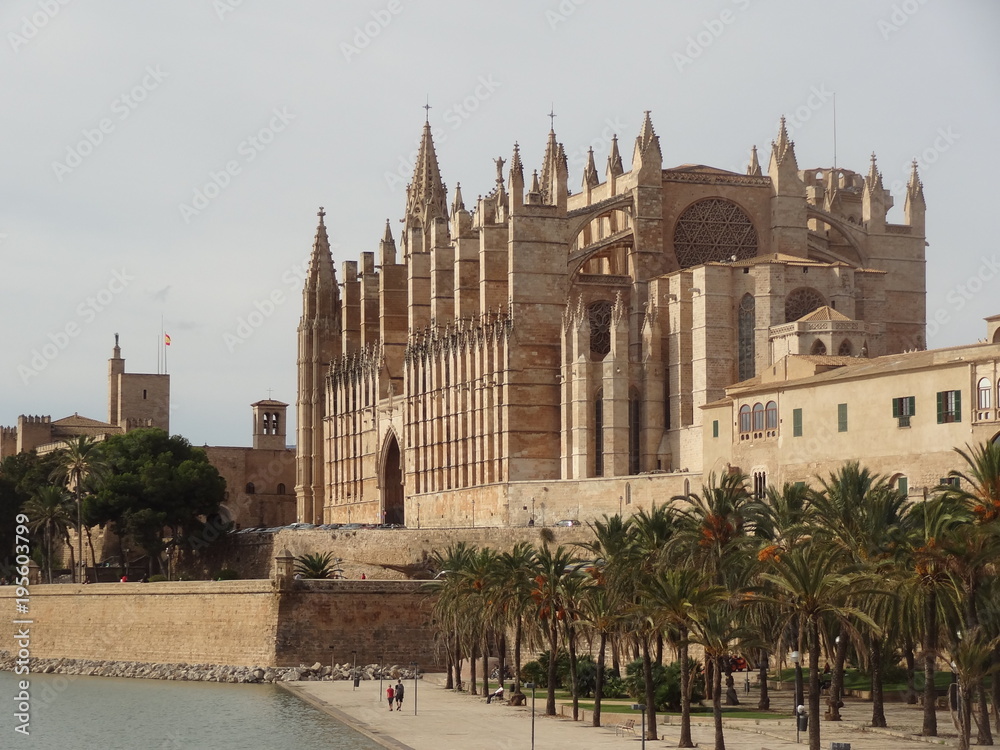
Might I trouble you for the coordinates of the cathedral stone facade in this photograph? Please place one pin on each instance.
(551, 351)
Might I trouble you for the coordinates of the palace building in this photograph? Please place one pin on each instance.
(547, 353)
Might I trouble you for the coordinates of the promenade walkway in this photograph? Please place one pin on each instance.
(447, 720)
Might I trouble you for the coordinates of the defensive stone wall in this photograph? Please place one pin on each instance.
(247, 623)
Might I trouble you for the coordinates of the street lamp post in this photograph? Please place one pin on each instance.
(354, 669)
(798, 707)
(641, 707)
(532, 686)
(414, 665)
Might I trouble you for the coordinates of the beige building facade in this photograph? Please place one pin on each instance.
(901, 415)
(556, 343)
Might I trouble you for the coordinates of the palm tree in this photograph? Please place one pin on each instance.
(809, 582)
(971, 658)
(80, 462)
(679, 597)
(600, 609)
(513, 595)
(450, 603)
(549, 594)
(49, 511)
(315, 565)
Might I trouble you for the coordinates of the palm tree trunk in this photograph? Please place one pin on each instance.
(449, 683)
(458, 658)
(486, 665)
(964, 717)
(835, 699)
(616, 664)
(517, 656)
(878, 695)
(995, 699)
(930, 655)
(502, 652)
(814, 685)
(599, 682)
(473, 653)
(764, 703)
(685, 738)
(720, 739)
(647, 676)
(659, 649)
(983, 736)
(732, 699)
(571, 643)
(550, 698)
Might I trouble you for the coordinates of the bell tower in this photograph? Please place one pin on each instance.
(269, 425)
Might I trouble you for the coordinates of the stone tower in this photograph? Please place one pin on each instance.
(269, 425)
(319, 342)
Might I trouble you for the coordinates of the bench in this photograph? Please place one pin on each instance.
(625, 727)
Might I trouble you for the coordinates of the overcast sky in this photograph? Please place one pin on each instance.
(166, 160)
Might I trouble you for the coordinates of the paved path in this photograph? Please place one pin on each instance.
(447, 720)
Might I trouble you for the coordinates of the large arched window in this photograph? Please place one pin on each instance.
(845, 350)
(747, 323)
(634, 430)
(599, 316)
(713, 229)
(802, 301)
(745, 419)
(599, 434)
(771, 415)
(758, 417)
(985, 393)
(818, 347)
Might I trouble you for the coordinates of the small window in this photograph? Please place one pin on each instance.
(841, 417)
(949, 406)
(758, 417)
(250, 488)
(281, 488)
(759, 484)
(903, 408)
(796, 422)
(903, 486)
(715, 428)
(143, 394)
(949, 481)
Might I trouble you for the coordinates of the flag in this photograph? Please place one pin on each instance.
(166, 339)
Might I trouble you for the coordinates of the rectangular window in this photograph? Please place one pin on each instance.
(841, 417)
(715, 428)
(949, 406)
(903, 486)
(796, 423)
(903, 408)
(950, 481)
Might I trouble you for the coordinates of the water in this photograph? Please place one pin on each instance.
(77, 713)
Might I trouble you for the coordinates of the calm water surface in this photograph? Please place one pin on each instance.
(107, 713)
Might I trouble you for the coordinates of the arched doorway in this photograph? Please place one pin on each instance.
(392, 483)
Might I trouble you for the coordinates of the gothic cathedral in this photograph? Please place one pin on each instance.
(551, 351)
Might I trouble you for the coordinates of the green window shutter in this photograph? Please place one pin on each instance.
(841, 417)
(800, 485)
(958, 406)
(913, 405)
(715, 428)
(903, 486)
(895, 408)
(796, 423)
(940, 407)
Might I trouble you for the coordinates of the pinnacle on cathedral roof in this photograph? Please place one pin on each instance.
(615, 158)
(457, 204)
(874, 178)
(784, 145)
(590, 176)
(915, 188)
(550, 165)
(753, 168)
(534, 183)
(387, 247)
(647, 135)
(321, 246)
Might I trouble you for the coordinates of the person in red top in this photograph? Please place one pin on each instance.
(389, 695)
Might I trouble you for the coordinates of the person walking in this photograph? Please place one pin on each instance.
(389, 694)
(399, 694)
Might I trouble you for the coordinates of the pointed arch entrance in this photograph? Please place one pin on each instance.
(393, 507)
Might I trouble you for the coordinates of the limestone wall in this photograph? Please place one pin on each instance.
(227, 622)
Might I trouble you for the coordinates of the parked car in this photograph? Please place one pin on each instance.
(568, 522)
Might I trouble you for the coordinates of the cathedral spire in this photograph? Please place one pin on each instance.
(321, 270)
(874, 178)
(457, 203)
(753, 168)
(515, 179)
(647, 135)
(549, 168)
(915, 188)
(784, 146)
(426, 198)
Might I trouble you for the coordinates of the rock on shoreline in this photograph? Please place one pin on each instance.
(208, 672)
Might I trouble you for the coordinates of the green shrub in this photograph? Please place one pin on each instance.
(157, 578)
(614, 687)
(666, 684)
(227, 574)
